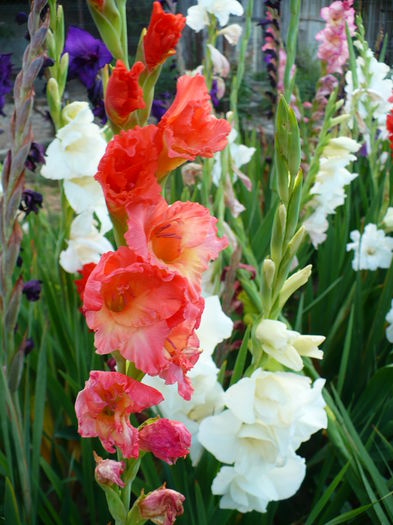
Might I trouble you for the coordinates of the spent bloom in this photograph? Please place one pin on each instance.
(162, 35)
(162, 506)
(103, 408)
(108, 471)
(166, 439)
(287, 346)
(372, 249)
(32, 290)
(333, 46)
(198, 15)
(389, 320)
(87, 55)
(5, 78)
(31, 201)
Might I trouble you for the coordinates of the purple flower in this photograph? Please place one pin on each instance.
(160, 105)
(32, 290)
(87, 55)
(28, 346)
(5, 78)
(31, 201)
(213, 93)
(96, 97)
(21, 18)
(36, 156)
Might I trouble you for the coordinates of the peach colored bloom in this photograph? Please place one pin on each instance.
(181, 237)
(132, 307)
(162, 506)
(167, 440)
(123, 93)
(103, 408)
(126, 172)
(188, 127)
(162, 35)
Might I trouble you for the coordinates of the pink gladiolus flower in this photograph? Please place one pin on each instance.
(103, 408)
(181, 237)
(167, 440)
(132, 306)
(333, 47)
(162, 506)
(108, 471)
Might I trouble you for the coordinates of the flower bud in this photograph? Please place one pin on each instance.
(294, 282)
(220, 62)
(108, 471)
(387, 221)
(162, 506)
(167, 440)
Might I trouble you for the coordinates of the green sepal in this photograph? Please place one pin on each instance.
(278, 233)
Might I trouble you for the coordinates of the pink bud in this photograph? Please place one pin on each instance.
(162, 506)
(167, 440)
(108, 471)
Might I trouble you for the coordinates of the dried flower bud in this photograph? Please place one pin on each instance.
(167, 440)
(108, 471)
(162, 506)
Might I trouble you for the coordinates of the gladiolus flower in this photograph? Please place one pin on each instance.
(104, 405)
(188, 127)
(85, 272)
(132, 307)
(108, 471)
(167, 440)
(126, 172)
(181, 237)
(162, 506)
(123, 93)
(162, 36)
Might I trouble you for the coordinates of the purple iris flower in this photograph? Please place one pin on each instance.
(31, 201)
(160, 105)
(96, 97)
(5, 78)
(28, 346)
(213, 93)
(87, 55)
(36, 156)
(32, 290)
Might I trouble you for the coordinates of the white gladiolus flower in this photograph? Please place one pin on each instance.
(373, 249)
(287, 346)
(262, 483)
(207, 398)
(387, 221)
(198, 15)
(374, 89)
(328, 188)
(220, 62)
(77, 148)
(86, 244)
(389, 320)
(232, 33)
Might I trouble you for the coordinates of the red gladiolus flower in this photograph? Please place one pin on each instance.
(80, 284)
(162, 506)
(188, 127)
(123, 93)
(126, 172)
(389, 127)
(181, 237)
(167, 440)
(103, 408)
(162, 36)
(132, 307)
(97, 4)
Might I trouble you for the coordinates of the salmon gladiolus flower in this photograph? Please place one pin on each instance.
(103, 408)
(167, 440)
(126, 172)
(132, 307)
(181, 237)
(162, 36)
(188, 127)
(84, 272)
(123, 93)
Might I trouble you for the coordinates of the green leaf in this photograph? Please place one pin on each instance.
(11, 512)
(240, 359)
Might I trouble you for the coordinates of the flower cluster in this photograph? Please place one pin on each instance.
(333, 47)
(328, 188)
(267, 418)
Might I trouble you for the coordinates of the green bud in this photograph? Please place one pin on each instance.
(53, 97)
(51, 44)
(293, 283)
(63, 70)
(278, 233)
(294, 205)
(294, 151)
(59, 35)
(340, 119)
(268, 272)
(281, 174)
(282, 127)
(289, 254)
(140, 54)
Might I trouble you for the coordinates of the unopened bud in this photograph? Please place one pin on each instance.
(108, 471)
(293, 283)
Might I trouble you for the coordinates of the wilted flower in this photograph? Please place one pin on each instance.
(162, 35)
(96, 97)
(35, 156)
(86, 244)
(166, 439)
(190, 172)
(87, 55)
(32, 290)
(103, 408)
(31, 201)
(373, 249)
(5, 78)
(108, 471)
(162, 506)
